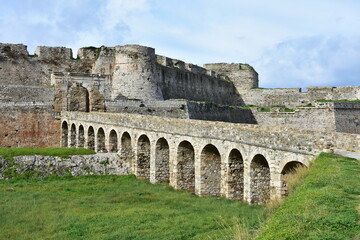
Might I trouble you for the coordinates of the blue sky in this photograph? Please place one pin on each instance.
(290, 43)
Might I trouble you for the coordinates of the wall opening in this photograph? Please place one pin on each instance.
(113, 141)
(260, 180)
(162, 160)
(143, 157)
(91, 138)
(81, 138)
(210, 171)
(186, 166)
(126, 149)
(79, 99)
(290, 174)
(64, 134)
(73, 136)
(235, 176)
(101, 141)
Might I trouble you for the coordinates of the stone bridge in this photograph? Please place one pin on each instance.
(237, 161)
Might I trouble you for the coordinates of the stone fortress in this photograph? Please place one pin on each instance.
(209, 129)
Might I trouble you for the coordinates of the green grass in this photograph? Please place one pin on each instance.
(60, 152)
(324, 206)
(116, 207)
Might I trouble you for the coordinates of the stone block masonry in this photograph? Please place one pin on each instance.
(42, 166)
(28, 125)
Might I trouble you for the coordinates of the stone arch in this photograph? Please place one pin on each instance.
(126, 149)
(81, 137)
(143, 157)
(287, 173)
(186, 166)
(101, 140)
(73, 136)
(162, 161)
(210, 171)
(259, 180)
(78, 99)
(235, 175)
(91, 138)
(64, 134)
(113, 141)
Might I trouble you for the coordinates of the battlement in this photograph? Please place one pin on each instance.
(13, 50)
(53, 52)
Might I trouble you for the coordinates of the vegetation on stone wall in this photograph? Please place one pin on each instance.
(60, 152)
(324, 206)
(10, 169)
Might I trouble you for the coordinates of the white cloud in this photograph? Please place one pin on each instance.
(202, 31)
(311, 61)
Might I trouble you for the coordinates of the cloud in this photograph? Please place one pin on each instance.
(311, 61)
(267, 34)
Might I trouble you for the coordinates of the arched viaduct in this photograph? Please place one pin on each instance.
(238, 161)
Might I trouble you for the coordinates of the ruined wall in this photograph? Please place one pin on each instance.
(292, 97)
(243, 76)
(41, 166)
(28, 125)
(180, 80)
(79, 89)
(325, 116)
(16, 93)
(17, 67)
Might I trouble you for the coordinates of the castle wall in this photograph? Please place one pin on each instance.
(19, 93)
(325, 116)
(17, 67)
(292, 97)
(183, 109)
(186, 81)
(79, 89)
(134, 73)
(28, 124)
(243, 76)
(347, 117)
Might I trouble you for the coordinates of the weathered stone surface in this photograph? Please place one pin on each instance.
(42, 166)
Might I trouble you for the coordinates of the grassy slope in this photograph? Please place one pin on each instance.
(61, 152)
(115, 207)
(324, 206)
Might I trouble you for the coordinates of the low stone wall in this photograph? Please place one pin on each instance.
(41, 166)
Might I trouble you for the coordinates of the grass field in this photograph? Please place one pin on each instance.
(115, 207)
(324, 206)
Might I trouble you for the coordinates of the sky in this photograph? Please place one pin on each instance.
(289, 43)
